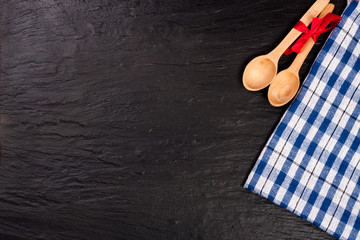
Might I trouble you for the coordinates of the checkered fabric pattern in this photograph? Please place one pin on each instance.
(311, 163)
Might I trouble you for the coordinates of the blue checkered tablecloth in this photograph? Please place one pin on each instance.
(311, 163)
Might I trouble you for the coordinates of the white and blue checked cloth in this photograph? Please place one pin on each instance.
(311, 163)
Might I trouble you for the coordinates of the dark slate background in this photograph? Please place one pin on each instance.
(128, 119)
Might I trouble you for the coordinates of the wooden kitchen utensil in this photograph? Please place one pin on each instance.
(261, 71)
(286, 84)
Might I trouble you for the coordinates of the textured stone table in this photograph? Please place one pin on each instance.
(128, 120)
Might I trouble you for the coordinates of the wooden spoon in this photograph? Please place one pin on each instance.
(261, 70)
(286, 84)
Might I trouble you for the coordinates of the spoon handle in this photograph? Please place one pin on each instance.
(313, 11)
(300, 58)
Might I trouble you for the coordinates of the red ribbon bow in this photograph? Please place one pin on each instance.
(318, 26)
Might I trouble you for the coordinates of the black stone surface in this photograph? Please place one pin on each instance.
(128, 119)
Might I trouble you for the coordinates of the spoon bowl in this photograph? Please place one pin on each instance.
(283, 88)
(259, 73)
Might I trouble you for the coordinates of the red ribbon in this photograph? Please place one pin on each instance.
(318, 26)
